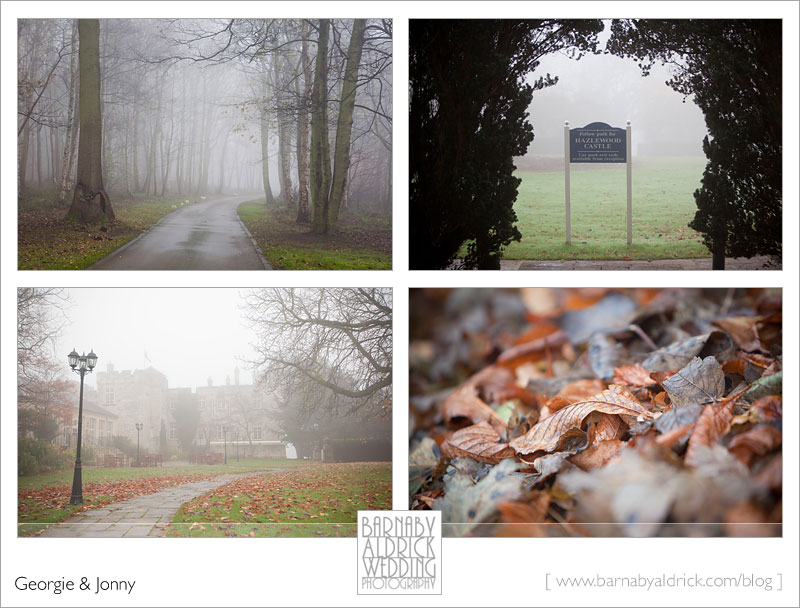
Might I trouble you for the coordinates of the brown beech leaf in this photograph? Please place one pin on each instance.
(759, 440)
(676, 436)
(465, 403)
(633, 375)
(548, 433)
(517, 512)
(523, 352)
(712, 424)
(744, 331)
(768, 408)
(597, 455)
(609, 426)
(480, 441)
(702, 381)
(574, 392)
(756, 359)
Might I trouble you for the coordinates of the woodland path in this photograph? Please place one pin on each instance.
(207, 235)
(142, 516)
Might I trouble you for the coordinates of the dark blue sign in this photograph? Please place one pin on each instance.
(597, 143)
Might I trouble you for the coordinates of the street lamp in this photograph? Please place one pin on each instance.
(237, 446)
(225, 442)
(81, 365)
(139, 427)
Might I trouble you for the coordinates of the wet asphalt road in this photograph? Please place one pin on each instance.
(203, 236)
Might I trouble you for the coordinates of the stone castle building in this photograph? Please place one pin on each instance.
(232, 416)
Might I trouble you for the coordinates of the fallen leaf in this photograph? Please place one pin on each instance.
(702, 381)
(633, 375)
(608, 426)
(759, 440)
(466, 504)
(768, 408)
(422, 462)
(614, 312)
(712, 424)
(574, 392)
(465, 403)
(764, 386)
(480, 441)
(744, 331)
(597, 455)
(605, 354)
(550, 432)
(680, 353)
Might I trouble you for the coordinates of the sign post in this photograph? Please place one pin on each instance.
(598, 142)
(566, 178)
(630, 180)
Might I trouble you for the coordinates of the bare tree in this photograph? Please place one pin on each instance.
(337, 339)
(40, 319)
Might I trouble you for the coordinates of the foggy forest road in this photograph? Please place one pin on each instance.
(203, 236)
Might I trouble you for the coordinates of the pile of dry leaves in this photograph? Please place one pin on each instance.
(639, 412)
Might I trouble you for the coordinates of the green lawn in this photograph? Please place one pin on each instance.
(322, 500)
(44, 498)
(47, 241)
(361, 241)
(663, 205)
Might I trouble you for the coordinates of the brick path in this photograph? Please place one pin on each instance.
(137, 517)
(756, 263)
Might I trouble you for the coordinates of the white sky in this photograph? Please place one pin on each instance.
(605, 88)
(188, 334)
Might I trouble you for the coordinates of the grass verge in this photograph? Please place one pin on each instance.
(48, 241)
(321, 500)
(663, 206)
(44, 499)
(360, 241)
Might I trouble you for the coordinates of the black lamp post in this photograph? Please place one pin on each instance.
(139, 427)
(225, 442)
(237, 447)
(81, 365)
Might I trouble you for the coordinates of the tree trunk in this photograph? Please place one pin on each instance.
(127, 175)
(136, 143)
(284, 129)
(344, 126)
(320, 160)
(718, 259)
(66, 164)
(264, 107)
(303, 215)
(39, 157)
(90, 201)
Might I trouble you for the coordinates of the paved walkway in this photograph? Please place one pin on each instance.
(138, 517)
(756, 263)
(202, 236)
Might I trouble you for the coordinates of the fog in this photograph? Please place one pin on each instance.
(605, 88)
(187, 334)
(200, 107)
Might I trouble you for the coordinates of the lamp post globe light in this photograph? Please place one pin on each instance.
(81, 365)
(139, 427)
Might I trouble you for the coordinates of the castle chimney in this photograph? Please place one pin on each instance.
(210, 383)
(236, 375)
